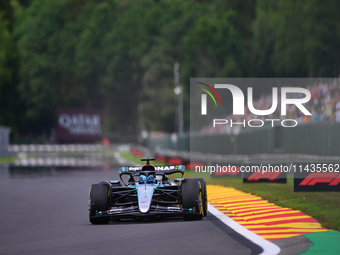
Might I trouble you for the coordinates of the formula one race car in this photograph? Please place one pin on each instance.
(147, 192)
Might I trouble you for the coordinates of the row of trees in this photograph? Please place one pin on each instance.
(118, 55)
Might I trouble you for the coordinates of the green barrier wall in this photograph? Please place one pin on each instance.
(315, 138)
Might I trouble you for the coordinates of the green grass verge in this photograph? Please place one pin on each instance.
(6, 160)
(323, 206)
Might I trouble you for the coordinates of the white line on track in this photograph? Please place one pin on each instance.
(268, 247)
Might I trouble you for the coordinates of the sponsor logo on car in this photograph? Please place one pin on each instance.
(157, 168)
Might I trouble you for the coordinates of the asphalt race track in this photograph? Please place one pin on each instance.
(44, 211)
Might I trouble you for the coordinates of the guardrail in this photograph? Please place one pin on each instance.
(58, 162)
(55, 147)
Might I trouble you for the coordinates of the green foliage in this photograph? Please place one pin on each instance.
(264, 38)
(9, 102)
(38, 52)
(297, 38)
(118, 55)
(158, 63)
(214, 48)
(6, 45)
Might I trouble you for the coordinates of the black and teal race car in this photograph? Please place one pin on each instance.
(146, 192)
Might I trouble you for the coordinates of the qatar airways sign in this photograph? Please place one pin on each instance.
(79, 125)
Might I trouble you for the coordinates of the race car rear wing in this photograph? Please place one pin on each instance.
(158, 169)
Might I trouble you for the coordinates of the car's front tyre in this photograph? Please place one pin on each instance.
(204, 196)
(192, 198)
(99, 201)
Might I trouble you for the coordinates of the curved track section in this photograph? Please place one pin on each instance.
(45, 212)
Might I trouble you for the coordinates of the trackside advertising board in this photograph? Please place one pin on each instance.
(317, 177)
(79, 125)
(274, 174)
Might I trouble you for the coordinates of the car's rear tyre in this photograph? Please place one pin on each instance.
(192, 198)
(99, 201)
(204, 196)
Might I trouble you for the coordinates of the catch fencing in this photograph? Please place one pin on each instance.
(313, 139)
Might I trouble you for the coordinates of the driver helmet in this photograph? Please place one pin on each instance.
(142, 179)
(151, 179)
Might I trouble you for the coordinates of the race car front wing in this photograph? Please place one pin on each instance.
(154, 210)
